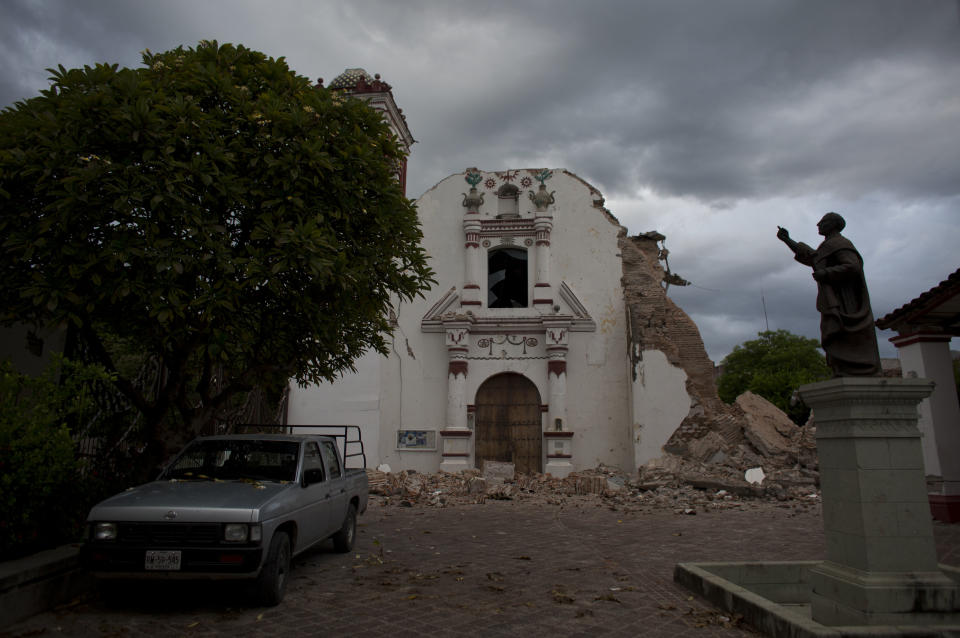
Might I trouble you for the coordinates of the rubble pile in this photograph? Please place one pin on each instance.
(764, 437)
(672, 483)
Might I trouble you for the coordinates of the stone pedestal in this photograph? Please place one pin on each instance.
(881, 566)
(559, 447)
(455, 450)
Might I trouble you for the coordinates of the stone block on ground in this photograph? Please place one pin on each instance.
(476, 485)
(498, 471)
(765, 425)
(707, 448)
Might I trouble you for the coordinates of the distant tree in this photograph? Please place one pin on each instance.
(773, 366)
(212, 210)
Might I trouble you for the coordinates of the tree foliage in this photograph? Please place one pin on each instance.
(211, 209)
(773, 366)
(41, 486)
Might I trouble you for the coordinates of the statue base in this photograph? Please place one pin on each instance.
(881, 566)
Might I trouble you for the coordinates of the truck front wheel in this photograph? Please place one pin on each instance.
(343, 539)
(271, 584)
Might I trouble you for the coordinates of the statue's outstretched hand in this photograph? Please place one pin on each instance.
(782, 234)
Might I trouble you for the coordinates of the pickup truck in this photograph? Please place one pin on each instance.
(231, 506)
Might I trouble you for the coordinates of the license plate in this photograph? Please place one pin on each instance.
(162, 561)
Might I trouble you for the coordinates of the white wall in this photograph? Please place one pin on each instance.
(660, 403)
(353, 400)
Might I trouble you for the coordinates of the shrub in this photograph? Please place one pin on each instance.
(42, 492)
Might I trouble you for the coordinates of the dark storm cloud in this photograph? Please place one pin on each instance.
(738, 99)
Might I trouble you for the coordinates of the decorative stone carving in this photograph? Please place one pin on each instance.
(473, 200)
(557, 336)
(542, 199)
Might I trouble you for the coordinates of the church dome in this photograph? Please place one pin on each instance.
(349, 79)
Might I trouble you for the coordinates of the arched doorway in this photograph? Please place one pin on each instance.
(508, 422)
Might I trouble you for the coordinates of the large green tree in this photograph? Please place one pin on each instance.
(213, 210)
(774, 365)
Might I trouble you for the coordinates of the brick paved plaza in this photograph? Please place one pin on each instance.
(504, 568)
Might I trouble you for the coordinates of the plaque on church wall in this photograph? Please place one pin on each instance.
(416, 439)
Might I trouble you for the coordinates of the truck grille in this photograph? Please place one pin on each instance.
(169, 534)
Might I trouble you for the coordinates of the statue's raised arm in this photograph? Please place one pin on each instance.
(847, 332)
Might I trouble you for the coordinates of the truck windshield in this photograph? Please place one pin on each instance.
(235, 459)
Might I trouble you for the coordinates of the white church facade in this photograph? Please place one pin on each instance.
(522, 350)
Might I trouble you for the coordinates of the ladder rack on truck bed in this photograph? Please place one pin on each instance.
(350, 447)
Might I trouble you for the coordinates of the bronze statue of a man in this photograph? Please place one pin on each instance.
(847, 332)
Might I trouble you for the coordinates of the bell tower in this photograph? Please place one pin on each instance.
(378, 95)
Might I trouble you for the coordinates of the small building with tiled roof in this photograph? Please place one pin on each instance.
(924, 329)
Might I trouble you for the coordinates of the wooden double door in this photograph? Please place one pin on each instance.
(508, 423)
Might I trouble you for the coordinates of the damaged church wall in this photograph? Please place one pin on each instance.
(662, 336)
(712, 443)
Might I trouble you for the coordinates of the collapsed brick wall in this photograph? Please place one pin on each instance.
(657, 323)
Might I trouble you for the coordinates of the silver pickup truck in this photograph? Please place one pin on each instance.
(233, 506)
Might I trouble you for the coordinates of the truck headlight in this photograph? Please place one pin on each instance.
(235, 532)
(105, 531)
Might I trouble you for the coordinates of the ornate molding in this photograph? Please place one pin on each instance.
(537, 319)
(514, 340)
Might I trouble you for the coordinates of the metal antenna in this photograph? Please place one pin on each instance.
(764, 302)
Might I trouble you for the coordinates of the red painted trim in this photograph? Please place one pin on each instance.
(471, 408)
(461, 455)
(457, 367)
(470, 303)
(919, 337)
(543, 242)
(558, 435)
(471, 244)
(457, 349)
(471, 287)
(945, 507)
(544, 408)
(559, 456)
(455, 433)
(556, 367)
(547, 301)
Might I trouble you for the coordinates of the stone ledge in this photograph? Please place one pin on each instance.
(774, 597)
(36, 583)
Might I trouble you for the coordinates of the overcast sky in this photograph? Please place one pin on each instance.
(712, 121)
